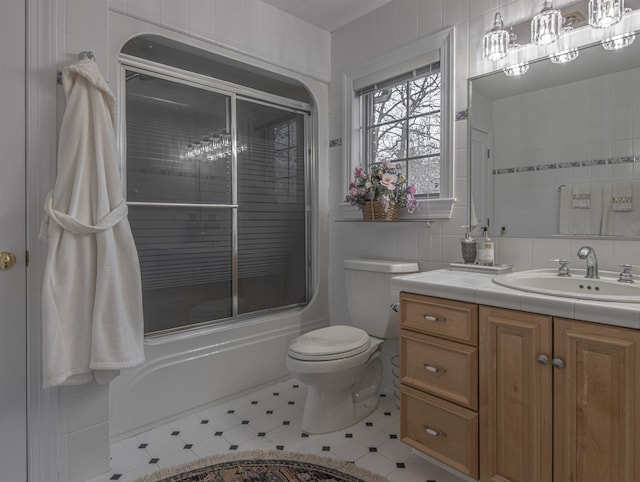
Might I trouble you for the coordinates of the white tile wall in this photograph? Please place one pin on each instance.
(247, 26)
(436, 246)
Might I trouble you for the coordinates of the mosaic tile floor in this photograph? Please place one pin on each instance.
(269, 419)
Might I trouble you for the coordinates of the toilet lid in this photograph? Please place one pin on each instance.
(329, 343)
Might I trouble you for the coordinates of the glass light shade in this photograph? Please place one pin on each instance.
(495, 43)
(564, 57)
(546, 25)
(516, 69)
(605, 13)
(619, 41)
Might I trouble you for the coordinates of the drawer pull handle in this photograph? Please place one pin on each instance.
(437, 319)
(432, 432)
(432, 369)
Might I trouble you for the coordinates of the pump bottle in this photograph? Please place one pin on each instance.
(486, 252)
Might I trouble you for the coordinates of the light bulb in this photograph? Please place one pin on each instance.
(496, 41)
(605, 13)
(546, 25)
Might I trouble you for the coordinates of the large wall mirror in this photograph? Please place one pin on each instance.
(557, 151)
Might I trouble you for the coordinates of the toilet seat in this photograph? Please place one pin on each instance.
(330, 343)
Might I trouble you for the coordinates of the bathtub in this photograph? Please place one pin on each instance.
(189, 371)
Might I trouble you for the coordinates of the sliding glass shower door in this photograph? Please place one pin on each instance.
(216, 194)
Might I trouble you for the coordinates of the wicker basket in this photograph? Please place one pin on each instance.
(374, 211)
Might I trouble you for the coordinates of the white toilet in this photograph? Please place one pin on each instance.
(341, 364)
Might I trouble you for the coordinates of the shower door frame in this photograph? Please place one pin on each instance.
(235, 92)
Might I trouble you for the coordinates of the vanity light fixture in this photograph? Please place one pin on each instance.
(564, 57)
(546, 25)
(515, 64)
(619, 41)
(516, 69)
(565, 53)
(605, 13)
(495, 44)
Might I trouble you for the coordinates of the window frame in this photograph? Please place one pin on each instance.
(395, 63)
(235, 92)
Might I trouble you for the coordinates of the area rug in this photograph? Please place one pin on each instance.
(265, 466)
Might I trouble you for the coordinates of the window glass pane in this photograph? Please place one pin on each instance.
(425, 175)
(402, 123)
(178, 146)
(390, 104)
(271, 213)
(388, 142)
(424, 97)
(424, 136)
(185, 261)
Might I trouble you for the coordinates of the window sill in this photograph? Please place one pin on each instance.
(428, 210)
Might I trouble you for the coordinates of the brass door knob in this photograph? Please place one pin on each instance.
(7, 260)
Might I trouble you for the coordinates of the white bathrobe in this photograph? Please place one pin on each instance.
(91, 295)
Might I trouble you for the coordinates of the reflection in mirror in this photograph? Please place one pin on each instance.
(557, 151)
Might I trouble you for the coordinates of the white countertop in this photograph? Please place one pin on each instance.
(479, 288)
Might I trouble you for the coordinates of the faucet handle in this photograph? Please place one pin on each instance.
(626, 276)
(563, 269)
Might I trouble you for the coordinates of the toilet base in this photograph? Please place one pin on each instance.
(328, 411)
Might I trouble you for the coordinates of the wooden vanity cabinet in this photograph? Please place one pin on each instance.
(515, 396)
(559, 399)
(439, 379)
(596, 402)
(584, 374)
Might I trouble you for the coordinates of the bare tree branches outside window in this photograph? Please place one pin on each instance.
(402, 124)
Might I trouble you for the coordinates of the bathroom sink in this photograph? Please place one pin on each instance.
(547, 282)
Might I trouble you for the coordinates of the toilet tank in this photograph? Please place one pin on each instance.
(369, 294)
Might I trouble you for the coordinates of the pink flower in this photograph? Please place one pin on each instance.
(412, 204)
(411, 190)
(358, 171)
(389, 180)
(352, 185)
(385, 202)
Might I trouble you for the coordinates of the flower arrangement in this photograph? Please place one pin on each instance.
(382, 182)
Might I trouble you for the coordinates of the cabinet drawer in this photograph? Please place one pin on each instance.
(454, 320)
(443, 368)
(443, 430)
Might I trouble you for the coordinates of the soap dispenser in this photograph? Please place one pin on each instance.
(469, 247)
(486, 253)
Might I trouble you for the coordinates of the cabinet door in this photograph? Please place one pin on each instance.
(515, 396)
(597, 409)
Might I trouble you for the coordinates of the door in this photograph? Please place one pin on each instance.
(481, 173)
(13, 351)
(515, 396)
(596, 411)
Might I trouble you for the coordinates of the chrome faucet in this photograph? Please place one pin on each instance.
(588, 253)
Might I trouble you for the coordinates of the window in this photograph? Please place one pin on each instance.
(399, 108)
(216, 188)
(401, 124)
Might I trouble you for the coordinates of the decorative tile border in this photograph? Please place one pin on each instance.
(335, 142)
(462, 114)
(564, 165)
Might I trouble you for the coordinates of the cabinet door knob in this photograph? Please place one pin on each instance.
(433, 432)
(543, 359)
(437, 319)
(557, 363)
